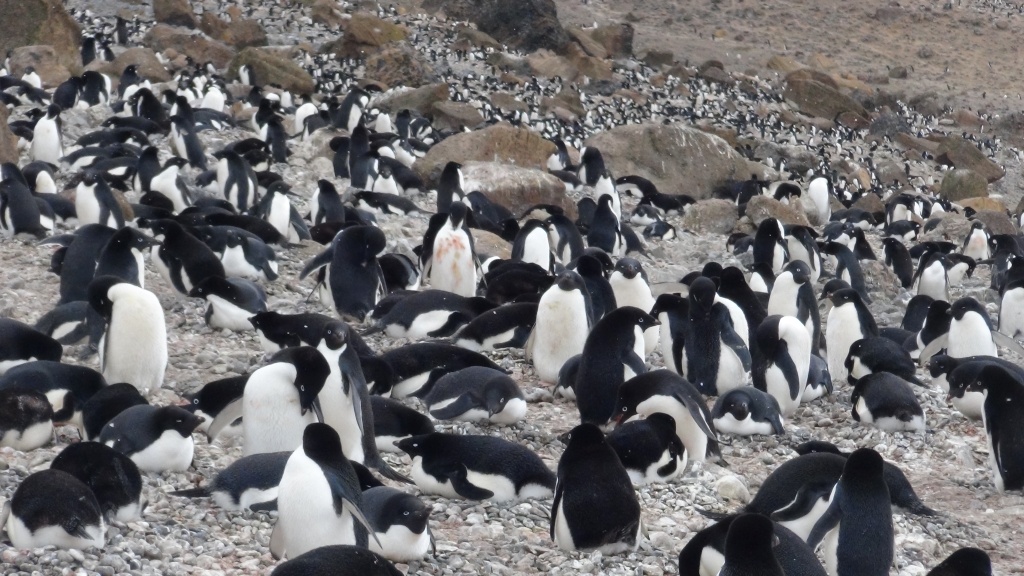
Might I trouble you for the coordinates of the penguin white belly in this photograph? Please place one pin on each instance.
(514, 411)
(269, 346)
(168, 452)
(731, 373)
(970, 336)
(488, 344)
(977, 246)
(757, 284)
(161, 267)
(563, 536)
(306, 509)
(22, 537)
(972, 405)
(830, 550)
(235, 264)
(803, 525)
(227, 315)
(129, 512)
(35, 436)
(421, 326)
(652, 475)
(1011, 313)
(135, 343)
(254, 496)
(739, 321)
(428, 483)
(339, 413)
(728, 424)
(46, 145)
(399, 544)
(711, 561)
(536, 249)
(271, 416)
(933, 283)
(503, 488)
(280, 217)
(559, 334)
(409, 386)
(842, 329)
(689, 433)
(777, 387)
(453, 268)
(87, 209)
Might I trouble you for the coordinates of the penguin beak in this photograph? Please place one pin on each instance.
(564, 437)
(315, 406)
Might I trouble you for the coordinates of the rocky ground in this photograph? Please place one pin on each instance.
(947, 464)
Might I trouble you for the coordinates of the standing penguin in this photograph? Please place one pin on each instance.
(53, 508)
(848, 268)
(277, 209)
(1002, 413)
(595, 505)
(630, 286)
(612, 354)
(748, 548)
(318, 499)
(133, 348)
(48, 138)
(932, 277)
(95, 202)
(353, 277)
(976, 244)
(532, 245)
(848, 321)
(898, 258)
(770, 245)
(124, 256)
(792, 294)
(452, 264)
(280, 399)
(782, 361)
(605, 232)
(820, 191)
(564, 318)
(182, 259)
(156, 439)
(717, 359)
(858, 521)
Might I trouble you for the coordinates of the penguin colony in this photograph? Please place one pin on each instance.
(186, 216)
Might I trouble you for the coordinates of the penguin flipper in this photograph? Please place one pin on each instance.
(297, 223)
(277, 549)
(528, 348)
(806, 497)
(554, 511)
(319, 261)
(466, 488)
(356, 513)
(268, 506)
(1005, 341)
(690, 397)
(455, 321)
(201, 492)
(934, 346)
(457, 408)
(678, 346)
(225, 418)
(829, 520)
(777, 425)
(634, 362)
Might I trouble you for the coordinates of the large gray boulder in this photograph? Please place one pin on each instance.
(524, 24)
(678, 159)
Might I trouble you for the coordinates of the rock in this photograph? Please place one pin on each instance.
(899, 72)
(925, 52)
(547, 64)
(400, 65)
(761, 208)
(967, 118)
(817, 99)
(43, 59)
(871, 203)
(148, 65)
(590, 46)
(420, 99)
(192, 44)
(450, 115)
(821, 62)
(491, 244)
(783, 64)
(365, 33)
(8, 141)
(712, 216)
(960, 153)
(996, 221)
(617, 39)
(508, 102)
(326, 12)
(41, 22)
(515, 187)
(469, 36)
(812, 74)
(498, 143)
(984, 203)
(732, 488)
(962, 183)
(658, 58)
(888, 124)
(527, 25)
(715, 74)
(588, 66)
(952, 228)
(174, 13)
(678, 159)
(914, 143)
(240, 33)
(272, 68)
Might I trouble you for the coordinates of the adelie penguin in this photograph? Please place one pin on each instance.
(231, 302)
(649, 449)
(716, 357)
(113, 477)
(770, 245)
(476, 468)
(353, 277)
(156, 439)
(394, 421)
(182, 259)
(792, 294)
(53, 508)
(595, 505)
(476, 394)
(105, 404)
(325, 560)
(964, 562)
(857, 526)
(20, 343)
(277, 209)
(319, 498)
(877, 354)
(564, 318)
(848, 321)
(451, 265)
(26, 419)
(745, 411)
(887, 402)
(401, 523)
(1002, 413)
(95, 202)
(428, 314)
(705, 552)
(414, 368)
(782, 360)
(133, 348)
(249, 483)
(280, 399)
(507, 326)
(749, 548)
(631, 288)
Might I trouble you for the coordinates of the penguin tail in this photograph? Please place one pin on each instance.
(201, 492)
(375, 329)
(913, 379)
(712, 515)
(389, 472)
(919, 508)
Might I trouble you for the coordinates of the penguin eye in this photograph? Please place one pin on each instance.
(180, 420)
(302, 388)
(502, 400)
(624, 408)
(406, 513)
(196, 401)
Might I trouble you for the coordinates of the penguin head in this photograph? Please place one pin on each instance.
(311, 371)
(335, 335)
(702, 295)
(321, 443)
(635, 316)
(457, 213)
(750, 540)
(629, 268)
(967, 304)
(99, 295)
(176, 418)
(800, 271)
(569, 281)
(863, 464)
(451, 178)
(213, 285)
(584, 437)
(856, 351)
(941, 364)
(606, 261)
(133, 238)
(407, 510)
(495, 398)
(52, 111)
(737, 403)
(832, 287)
(669, 303)
(416, 445)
